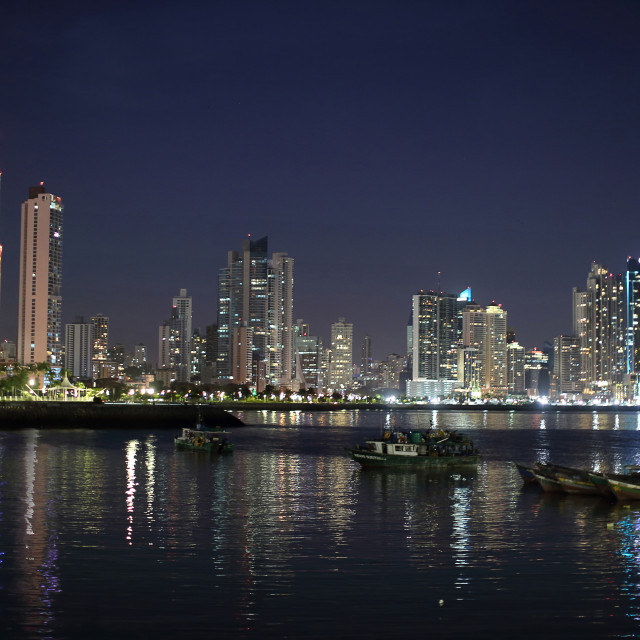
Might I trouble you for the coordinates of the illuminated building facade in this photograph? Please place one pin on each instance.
(39, 298)
(436, 335)
(78, 349)
(174, 339)
(308, 358)
(566, 381)
(485, 330)
(100, 343)
(515, 368)
(633, 316)
(536, 373)
(341, 364)
(599, 324)
(256, 293)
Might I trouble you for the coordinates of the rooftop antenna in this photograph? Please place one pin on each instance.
(438, 289)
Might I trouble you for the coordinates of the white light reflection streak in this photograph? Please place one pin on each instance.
(151, 475)
(460, 539)
(132, 449)
(638, 422)
(616, 422)
(595, 421)
(30, 476)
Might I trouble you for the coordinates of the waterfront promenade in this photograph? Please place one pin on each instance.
(80, 414)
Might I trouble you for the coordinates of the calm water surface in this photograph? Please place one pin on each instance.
(114, 534)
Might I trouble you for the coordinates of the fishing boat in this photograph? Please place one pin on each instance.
(574, 480)
(526, 473)
(212, 441)
(601, 483)
(625, 487)
(546, 477)
(416, 449)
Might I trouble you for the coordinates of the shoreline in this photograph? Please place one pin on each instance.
(88, 415)
(354, 406)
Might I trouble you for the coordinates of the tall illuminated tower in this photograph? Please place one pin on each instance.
(39, 296)
(485, 330)
(255, 317)
(341, 369)
(599, 322)
(174, 338)
(436, 338)
(633, 315)
(100, 349)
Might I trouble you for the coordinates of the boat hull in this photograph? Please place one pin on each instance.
(216, 448)
(601, 483)
(372, 459)
(577, 482)
(624, 490)
(526, 473)
(548, 482)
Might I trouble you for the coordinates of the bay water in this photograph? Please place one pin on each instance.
(112, 533)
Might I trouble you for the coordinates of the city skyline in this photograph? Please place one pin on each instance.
(389, 149)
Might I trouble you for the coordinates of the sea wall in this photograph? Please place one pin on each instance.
(353, 406)
(88, 415)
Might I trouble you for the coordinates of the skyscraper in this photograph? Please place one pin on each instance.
(78, 349)
(599, 324)
(255, 317)
(308, 358)
(366, 359)
(515, 368)
(39, 297)
(485, 330)
(174, 339)
(437, 336)
(633, 315)
(341, 367)
(281, 341)
(100, 343)
(566, 367)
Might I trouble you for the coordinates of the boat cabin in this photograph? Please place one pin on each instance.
(396, 448)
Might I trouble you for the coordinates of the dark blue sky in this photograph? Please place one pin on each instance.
(378, 143)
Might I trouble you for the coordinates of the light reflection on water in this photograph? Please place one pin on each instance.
(288, 537)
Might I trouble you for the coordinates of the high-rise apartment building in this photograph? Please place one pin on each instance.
(536, 373)
(437, 336)
(100, 343)
(566, 367)
(485, 330)
(255, 317)
(174, 339)
(182, 320)
(366, 359)
(198, 354)
(281, 341)
(341, 365)
(308, 358)
(515, 368)
(78, 350)
(390, 371)
(599, 324)
(139, 356)
(632, 304)
(39, 297)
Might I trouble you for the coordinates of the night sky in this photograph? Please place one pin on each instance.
(378, 143)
